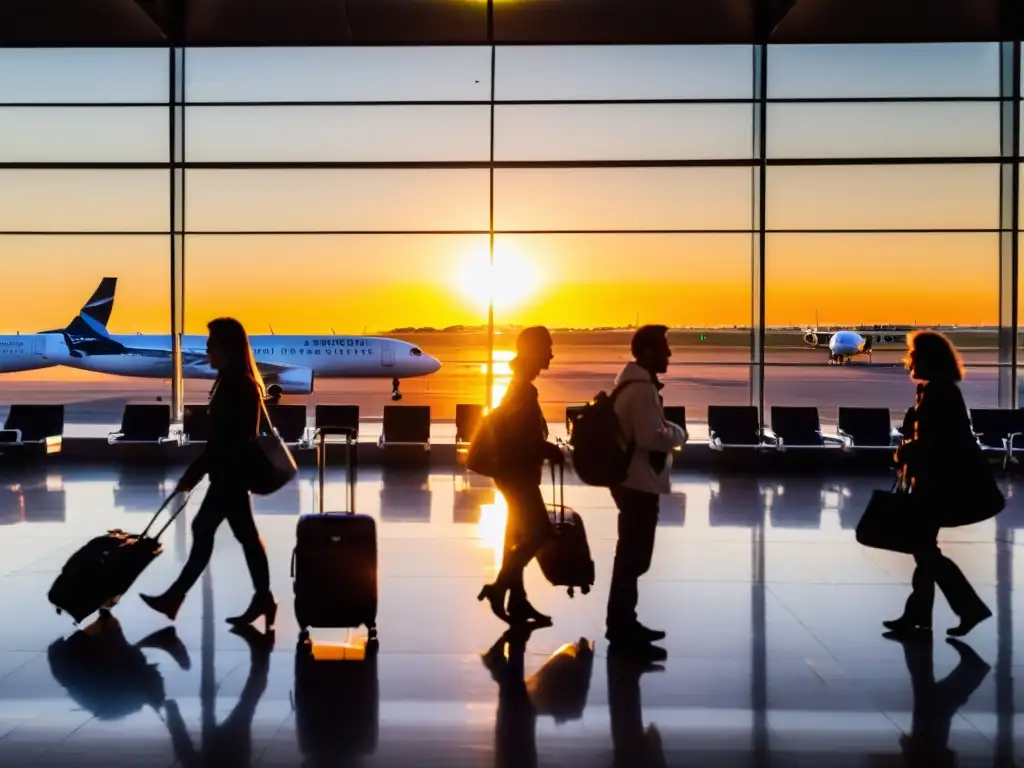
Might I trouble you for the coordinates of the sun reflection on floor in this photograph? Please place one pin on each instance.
(491, 528)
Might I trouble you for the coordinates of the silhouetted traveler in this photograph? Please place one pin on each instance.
(936, 703)
(940, 459)
(638, 406)
(522, 435)
(228, 458)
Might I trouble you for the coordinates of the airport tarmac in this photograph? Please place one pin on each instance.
(699, 377)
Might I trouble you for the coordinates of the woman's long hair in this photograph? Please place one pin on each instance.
(934, 358)
(239, 361)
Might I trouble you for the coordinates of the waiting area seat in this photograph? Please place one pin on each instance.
(195, 423)
(866, 429)
(37, 429)
(143, 424)
(289, 421)
(799, 427)
(346, 416)
(999, 430)
(734, 426)
(468, 418)
(405, 426)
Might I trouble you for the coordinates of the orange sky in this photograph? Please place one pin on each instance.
(374, 283)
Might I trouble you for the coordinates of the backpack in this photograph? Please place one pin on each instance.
(484, 456)
(600, 453)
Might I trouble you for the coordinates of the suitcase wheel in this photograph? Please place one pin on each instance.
(585, 589)
(571, 591)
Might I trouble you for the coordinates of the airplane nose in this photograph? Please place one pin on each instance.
(431, 364)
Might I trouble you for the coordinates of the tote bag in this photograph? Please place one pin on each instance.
(893, 520)
(273, 465)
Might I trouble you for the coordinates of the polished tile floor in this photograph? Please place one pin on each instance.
(772, 610)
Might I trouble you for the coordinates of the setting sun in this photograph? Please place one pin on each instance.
(514, 278)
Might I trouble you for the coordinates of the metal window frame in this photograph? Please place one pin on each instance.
(177, 164)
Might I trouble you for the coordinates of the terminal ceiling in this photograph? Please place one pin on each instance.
(44, 23)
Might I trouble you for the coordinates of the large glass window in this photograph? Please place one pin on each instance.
(883, 215)
(63, 229)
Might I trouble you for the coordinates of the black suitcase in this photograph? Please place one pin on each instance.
(565, 559)
(98, 574)
(334, 564)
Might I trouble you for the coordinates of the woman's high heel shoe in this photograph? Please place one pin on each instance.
(261, 605)
(495, 595)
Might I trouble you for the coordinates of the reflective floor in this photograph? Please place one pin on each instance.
(775, 654)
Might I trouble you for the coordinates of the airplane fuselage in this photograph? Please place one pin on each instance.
(293, 362)
(30, 352)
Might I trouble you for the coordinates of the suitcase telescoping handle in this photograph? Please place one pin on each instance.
(349, 433)
(558, 490)
(171, 517)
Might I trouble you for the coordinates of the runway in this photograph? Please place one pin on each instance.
(699, 377)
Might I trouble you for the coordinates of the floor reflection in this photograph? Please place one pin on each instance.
(772, 612)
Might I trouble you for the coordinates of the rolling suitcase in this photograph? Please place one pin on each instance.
(334, 564)
(565, 559)
(99, 573)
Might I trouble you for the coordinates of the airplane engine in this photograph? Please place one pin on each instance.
(294, 381)
(812, 339)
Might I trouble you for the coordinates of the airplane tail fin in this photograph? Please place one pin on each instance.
(95, 314)
(101, 303)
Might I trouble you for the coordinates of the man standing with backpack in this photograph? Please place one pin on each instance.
(641, 416)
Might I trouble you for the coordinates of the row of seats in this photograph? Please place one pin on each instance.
(729, 427)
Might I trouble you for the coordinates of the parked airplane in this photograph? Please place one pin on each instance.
(289, 364)
(45, 349)
(843, 346)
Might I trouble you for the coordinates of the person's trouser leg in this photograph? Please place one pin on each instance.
(204, 531)
(243, 526)
(961, 596)
(528, 515)
(637, 524)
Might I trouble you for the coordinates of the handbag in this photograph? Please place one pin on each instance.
(894, 520)
(273, 465)
(484, 455)
(975, 498)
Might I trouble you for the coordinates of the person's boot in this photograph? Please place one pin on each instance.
(169, 603)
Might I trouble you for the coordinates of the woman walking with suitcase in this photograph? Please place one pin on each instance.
(236, 405)
(524, 447)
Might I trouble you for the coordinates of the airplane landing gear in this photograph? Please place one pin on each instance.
(396, 393)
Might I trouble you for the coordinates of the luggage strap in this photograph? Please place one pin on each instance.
(170, 519)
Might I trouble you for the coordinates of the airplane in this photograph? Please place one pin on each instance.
(46, 349)
(843, 346)
(289, 364)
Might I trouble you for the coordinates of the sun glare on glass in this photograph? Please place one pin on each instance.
(513, 281)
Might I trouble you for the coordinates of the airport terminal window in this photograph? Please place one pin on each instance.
(51, 279)
(65, 229)
(595, 132)
(83, 134)
(599, 72)
(634, 199)
(270, 134)
(421, 290)
(83, 76)
(883, 129)
(319, 199)
(882, 71)
(73, 200)
(344, 74)
(593, 289)
(889, 197)
(884, 245)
